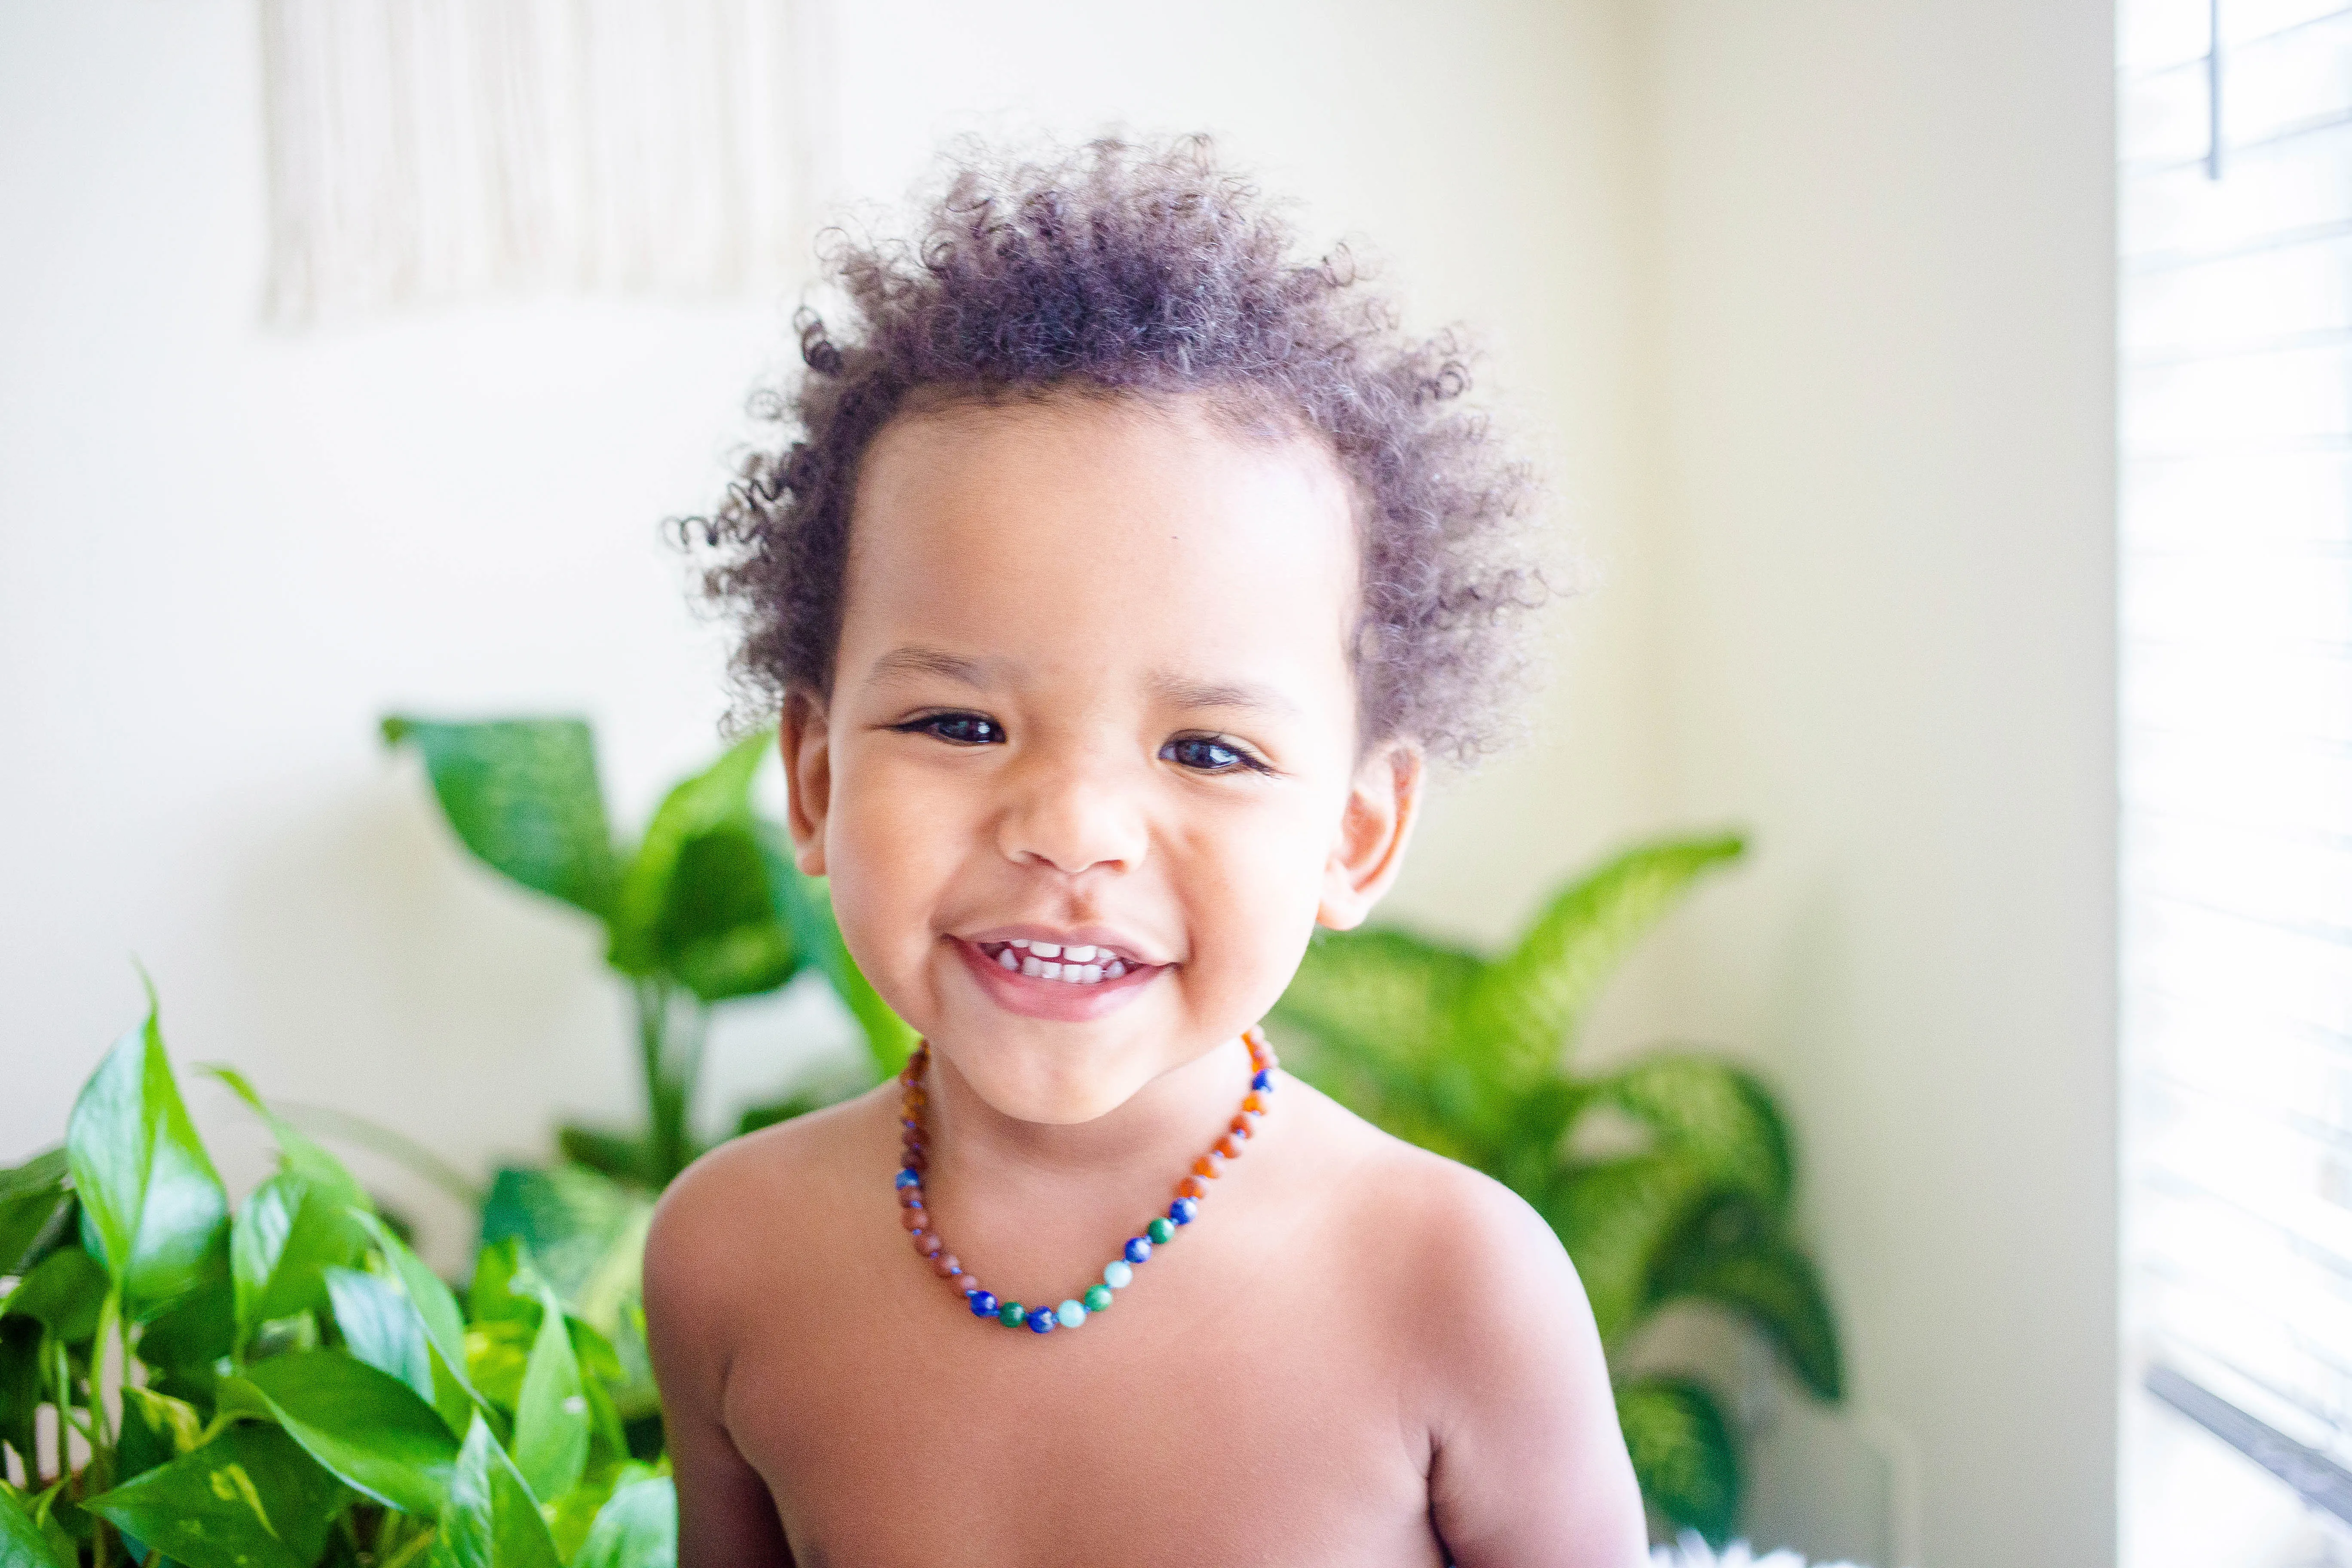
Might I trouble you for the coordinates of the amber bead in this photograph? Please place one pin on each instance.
(1239, 1127)
(1230, 1147)
(927, 1242)
(1253, 1104)
(914, 1160)
(948, 1266)
(914, 1219)
(1193, 1187)
(910, 1197)
(1206, 1165)
(965, 1283)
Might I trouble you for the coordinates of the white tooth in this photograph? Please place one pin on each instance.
(1031, 968)
(1018, 941)
(1049, 972)
(1008, 961)
(1091, 974)
(1114, 969)
(1078, 955)
(1044, 950)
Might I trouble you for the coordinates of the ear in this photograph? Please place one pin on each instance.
(807, 748)
(1383, 803)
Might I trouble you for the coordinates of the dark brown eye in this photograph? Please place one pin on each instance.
(1205, 753)
(962, 728)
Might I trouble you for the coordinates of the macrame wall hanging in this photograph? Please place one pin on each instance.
(430, 150)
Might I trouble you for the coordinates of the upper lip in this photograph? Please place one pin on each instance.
(1119, 945)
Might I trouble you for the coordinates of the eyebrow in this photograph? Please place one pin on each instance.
(1188, 693)
(916, 659)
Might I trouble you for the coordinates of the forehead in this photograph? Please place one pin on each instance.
(1105, 529)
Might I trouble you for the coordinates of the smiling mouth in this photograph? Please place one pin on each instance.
(1074, 965)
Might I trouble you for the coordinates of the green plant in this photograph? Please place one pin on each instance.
(1466, 1054)
(706, 906)
(287, 1386)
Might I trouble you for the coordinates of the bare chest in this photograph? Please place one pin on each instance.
(1208, 1416)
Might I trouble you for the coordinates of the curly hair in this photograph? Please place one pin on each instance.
(1144, 270)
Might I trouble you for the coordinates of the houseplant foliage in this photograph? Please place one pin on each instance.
(1470, 1056)
(705, 906)
(286, 1385)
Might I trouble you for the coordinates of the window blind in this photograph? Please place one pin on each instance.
(2235, 388)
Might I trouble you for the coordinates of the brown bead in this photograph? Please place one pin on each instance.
(1230, 1147)
(946, 1264)
(915, 1100)
(914, 1160)
(1206, 1166)
(910, 1197)
(914, 1219)
(965, 1283)
(927, 1242)
(1193, 1187)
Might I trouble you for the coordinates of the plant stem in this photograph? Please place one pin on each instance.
(407, 1553)
(670, 1025)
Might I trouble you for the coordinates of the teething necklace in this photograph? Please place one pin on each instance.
(1121, 1271)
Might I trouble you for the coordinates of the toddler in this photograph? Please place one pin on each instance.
(1121, 577)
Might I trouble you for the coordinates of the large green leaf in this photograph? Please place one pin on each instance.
(1720, 1116)
(1682, 1453)
(637, 1529)
(522, 795)
(156, 1429)
(491, 1520)
(148, 1190)
(288, 1232)
(366, 1425)
(1523, 1008)
(21, 1395)
(1771, 1285)
(552, 1425)
(803, 904)
(718, 932)
(659, 910)
(64, 1293)
(186, 1342)
(1382, 993)
(584, 1232)
(249, 1499)
(22, 1543)
(381, 1328)
(33, 1198)
(1617, 1218)
(443, 1325)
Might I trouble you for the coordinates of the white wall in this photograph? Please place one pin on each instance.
(1805, 304)
(1882, 503)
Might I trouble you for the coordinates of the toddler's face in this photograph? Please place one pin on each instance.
(1089, 772)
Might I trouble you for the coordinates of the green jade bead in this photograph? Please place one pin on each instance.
(1013, 1314)
(1160, 1231)
(1071, 1313)
(1097, 1297)
(1117, 1273)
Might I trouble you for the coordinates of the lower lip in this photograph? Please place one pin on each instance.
(1034, 997)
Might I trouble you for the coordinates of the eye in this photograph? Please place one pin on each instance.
(1209, 754)
(960, 728)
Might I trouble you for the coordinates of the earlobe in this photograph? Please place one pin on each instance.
(1382, 806)
(807, 746)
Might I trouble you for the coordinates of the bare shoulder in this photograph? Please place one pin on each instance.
(751, 1209)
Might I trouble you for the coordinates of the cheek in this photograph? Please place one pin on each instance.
(890, 845)
(1263, 894)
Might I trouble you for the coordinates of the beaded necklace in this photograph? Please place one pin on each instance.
(1117, 1273)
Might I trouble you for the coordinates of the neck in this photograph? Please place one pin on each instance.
(1162, 1127)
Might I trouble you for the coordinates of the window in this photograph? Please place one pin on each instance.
(2235, 189)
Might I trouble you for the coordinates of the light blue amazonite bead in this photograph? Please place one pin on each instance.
(1071, 1314)
(1118, 1275)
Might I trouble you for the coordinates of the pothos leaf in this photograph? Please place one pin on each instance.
(552, 1422)
(148, 1190)
(22, 1542)
(30, 1197)
(716, 798)
(522, 795)
(637, 1529)
(288, 1232)
(249, 1499)
(1682, 1453)
(363, 1425)
(491, 1520)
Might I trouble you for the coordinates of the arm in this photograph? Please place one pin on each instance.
(725, 1515)
(1527, 1464)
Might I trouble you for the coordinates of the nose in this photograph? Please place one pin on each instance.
(1067, 817)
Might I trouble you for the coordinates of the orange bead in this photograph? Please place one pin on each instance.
(1253, 1104)
(1206, 1165)
(1193, 1187)
(1230, 1147)
(1240, 1128)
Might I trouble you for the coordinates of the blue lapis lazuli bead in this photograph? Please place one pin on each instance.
(909, 1178)
(1042, 1321)
(1139, 1250)
(984, 1303)
(1262, 1081)
(1182, 1210)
